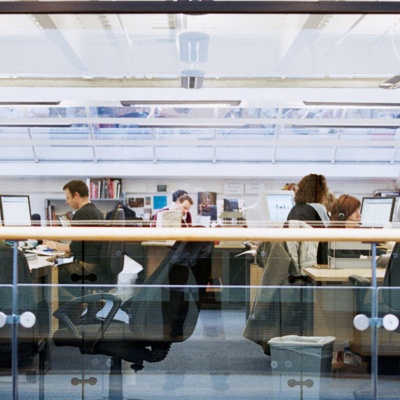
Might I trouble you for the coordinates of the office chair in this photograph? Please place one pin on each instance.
(111, 260)
(112, 254)
(388, 303)
(163, 311)
(31, 341)
(286, 308)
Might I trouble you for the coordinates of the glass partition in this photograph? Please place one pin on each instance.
(179, 323)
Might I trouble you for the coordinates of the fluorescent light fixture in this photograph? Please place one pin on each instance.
(348, 104)
(21, 125)
(392, 83)
(30, 103)
(174, 103)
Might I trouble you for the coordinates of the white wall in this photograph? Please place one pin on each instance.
(41, 188)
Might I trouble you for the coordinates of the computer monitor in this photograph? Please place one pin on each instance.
(231, 205)
(270, 210)
(15, 210)
(279, 202)
(377, 211)
(169, 219)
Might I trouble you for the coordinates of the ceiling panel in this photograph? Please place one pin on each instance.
(72, 58)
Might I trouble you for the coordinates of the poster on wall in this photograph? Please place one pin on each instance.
(207, 205)
(159, 202)
(136, 202)
(137, 205)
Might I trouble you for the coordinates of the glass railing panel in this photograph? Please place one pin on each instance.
(216, 324)
(22, 338)
(388, 335)
(226, 349)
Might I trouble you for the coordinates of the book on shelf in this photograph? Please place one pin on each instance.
(105, 188)
(51, 215)
(65, 219)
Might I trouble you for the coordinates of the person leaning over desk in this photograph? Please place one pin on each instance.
(86, 253)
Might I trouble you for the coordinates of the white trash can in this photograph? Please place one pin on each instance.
(299, 362)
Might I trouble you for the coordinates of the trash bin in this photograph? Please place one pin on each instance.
(299, 362)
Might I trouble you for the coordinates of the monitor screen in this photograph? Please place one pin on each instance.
(231, 205)
(270, 210)
(15, 210)
(377, 211)
(169, 219)
(279, 204)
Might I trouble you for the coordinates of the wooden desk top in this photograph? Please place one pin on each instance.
(342, 275)
(40, 262)
(40, 268)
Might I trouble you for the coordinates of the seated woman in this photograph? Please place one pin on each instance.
(309, 207)
(346, 213)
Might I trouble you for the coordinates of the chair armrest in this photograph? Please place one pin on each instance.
(358, 280)
(62, 312)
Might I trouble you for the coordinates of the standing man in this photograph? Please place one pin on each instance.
(86, 253)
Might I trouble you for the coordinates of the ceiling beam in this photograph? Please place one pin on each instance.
(196, 7)
(209, 82)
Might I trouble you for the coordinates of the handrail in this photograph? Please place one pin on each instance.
(200, 234)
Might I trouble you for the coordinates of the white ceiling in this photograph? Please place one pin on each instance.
(271, 64)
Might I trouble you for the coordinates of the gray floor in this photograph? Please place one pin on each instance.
(215, 363)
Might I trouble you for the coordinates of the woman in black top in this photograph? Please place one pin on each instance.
(309, 207)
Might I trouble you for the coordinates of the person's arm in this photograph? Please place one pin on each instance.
(58, 246)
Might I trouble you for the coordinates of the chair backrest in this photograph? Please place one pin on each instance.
(392, 280)
(112, 254)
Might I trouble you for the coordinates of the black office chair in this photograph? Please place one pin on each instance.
(163, 311)
(32, 341)
(388, 303)
(111, 260)
(112, 254)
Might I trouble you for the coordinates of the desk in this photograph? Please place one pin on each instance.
(43, 273)
(334, 310)
(334, 306)
(41, 269)
(325, 276)
(230, 269)
(154, 254)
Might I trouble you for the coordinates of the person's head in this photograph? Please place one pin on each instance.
(76, 192)
(36, 220)
(184, 203)
(207, 199)
(312, 189)
(290, 186)
(178, 193)
(346, 209)
(330, 199)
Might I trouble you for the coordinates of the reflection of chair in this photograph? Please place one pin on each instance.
(162, 312)
(30, 341)
(112, 254)
(388, 303)
(282, 306)
(111, 261)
